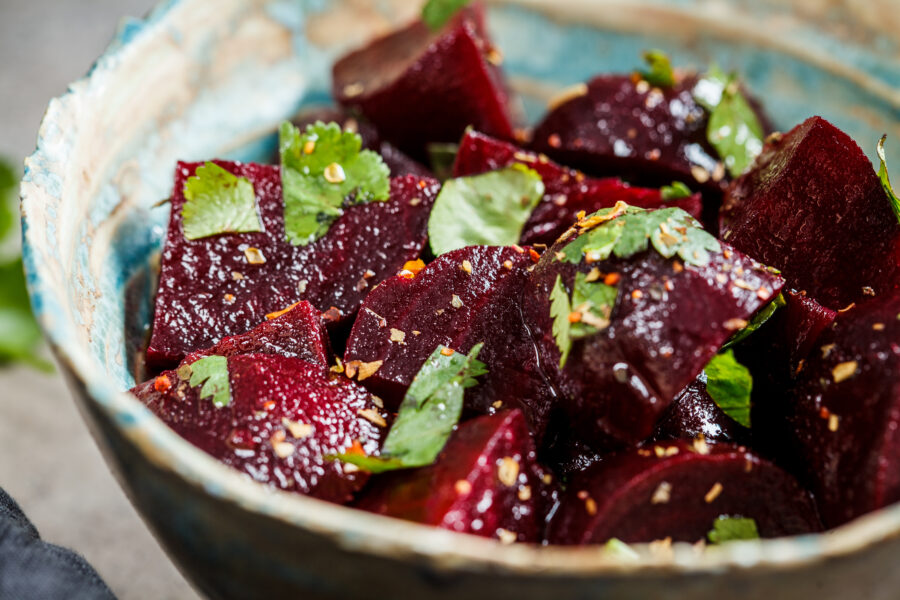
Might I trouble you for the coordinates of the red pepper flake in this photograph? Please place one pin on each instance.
(332, 315)
(162, 384)
(423, 184)
(229, 298)
(278, 313)
(411, 268)
(554, 141)
(846, 308)
(878, 326)
(447, 351)
(637, 294)
(575, 317)
(355, 448)
(535, 257)
(763, 293)
(269, 405)
(507, 264)
(824, 413)
(868, 291)
(611, 279)
(677, 267)
(518, 248)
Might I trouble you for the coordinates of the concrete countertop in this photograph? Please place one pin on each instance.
(48, 461)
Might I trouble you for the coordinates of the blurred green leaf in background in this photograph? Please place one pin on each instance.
(20, 336)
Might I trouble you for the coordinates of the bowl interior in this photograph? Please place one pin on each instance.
(200, 79)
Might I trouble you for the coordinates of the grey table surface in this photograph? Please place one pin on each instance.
(48, 460)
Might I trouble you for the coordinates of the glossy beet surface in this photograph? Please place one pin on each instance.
(208, 289)
(693, 413)
(813, 207)
(626, 128)
(285, 415)
(396, 160)
(298, 333)
(567, 191)
(673, 490)
(465, 297)
(843, 415)
(418, 86)
(669, 319)
(485, 482)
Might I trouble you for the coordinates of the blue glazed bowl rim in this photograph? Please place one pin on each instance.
(349, 528)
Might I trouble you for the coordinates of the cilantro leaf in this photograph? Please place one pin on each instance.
(676, 191)
(560, 309)
(321, 169)
(488, 209)
(441, 158)
(212, 372)
(729, 384)
(217, 202)
(734, 129)
(593, 301)
(618, 549)
(763, 315)
(729, 529)
(428, 414)
(436, 13)
(659, 69)
(885, 180)
(671, 231)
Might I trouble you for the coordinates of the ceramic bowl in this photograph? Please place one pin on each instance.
(204, 78)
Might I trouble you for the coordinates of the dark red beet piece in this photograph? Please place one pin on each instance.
(265, 430)
(397, 161)
(418, 87)
(567, 192)
(208, 289)
(669, 320)
(485, 482)
(298, 333)
(624, 127)
(672, 490)
(465, 297)
(693, 413)
(813, 206)
(843, 416)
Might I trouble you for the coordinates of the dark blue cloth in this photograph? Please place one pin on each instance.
(31, 569)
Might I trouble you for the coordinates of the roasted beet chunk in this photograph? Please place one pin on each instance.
(485, 482)
(398, 162)
(813, 207)
(677, 490)
(843, 416)
(622, 126)
(693, 413)
(284, 416)
(567, 192)
(465, 297)
(224, 285)
(641, 326)
(297, 333)
(418, 87)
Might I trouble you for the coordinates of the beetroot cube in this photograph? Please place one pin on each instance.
(843, 415)
(298, 333)
(284, 417)
(418, 87)
(567, 192)
(485, 482)
(465, 297)
(218, 286)
(813, 207)
(693, 413)
(622, 126)
(672, 490)
(668, 321)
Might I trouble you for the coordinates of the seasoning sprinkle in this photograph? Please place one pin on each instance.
(254, 256)
(455, 302)
(713, 492)
(508, 471)
(524, 493)
(367, 369)
(298, 430)
(506, 537)
(466, 266)
(283, 311)
(662, 494)
(834, 422)
(398, 336)
(462, 487)
(371, 415)
(334, 173)
(844, 370)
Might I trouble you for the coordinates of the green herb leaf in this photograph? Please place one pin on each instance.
(441, 157)
(885, 180)
(8, 182)
(594, 300)
(488, 209)
(218, 202)
(671, 231)
(729, 384)
(436, 13)
(321, 169)
(763, 315)
(618, 549)
(429, 413)
(676, 191)
(212, 372)
(729, 529)
(734, 129)
(659, 72)
(560, 309)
